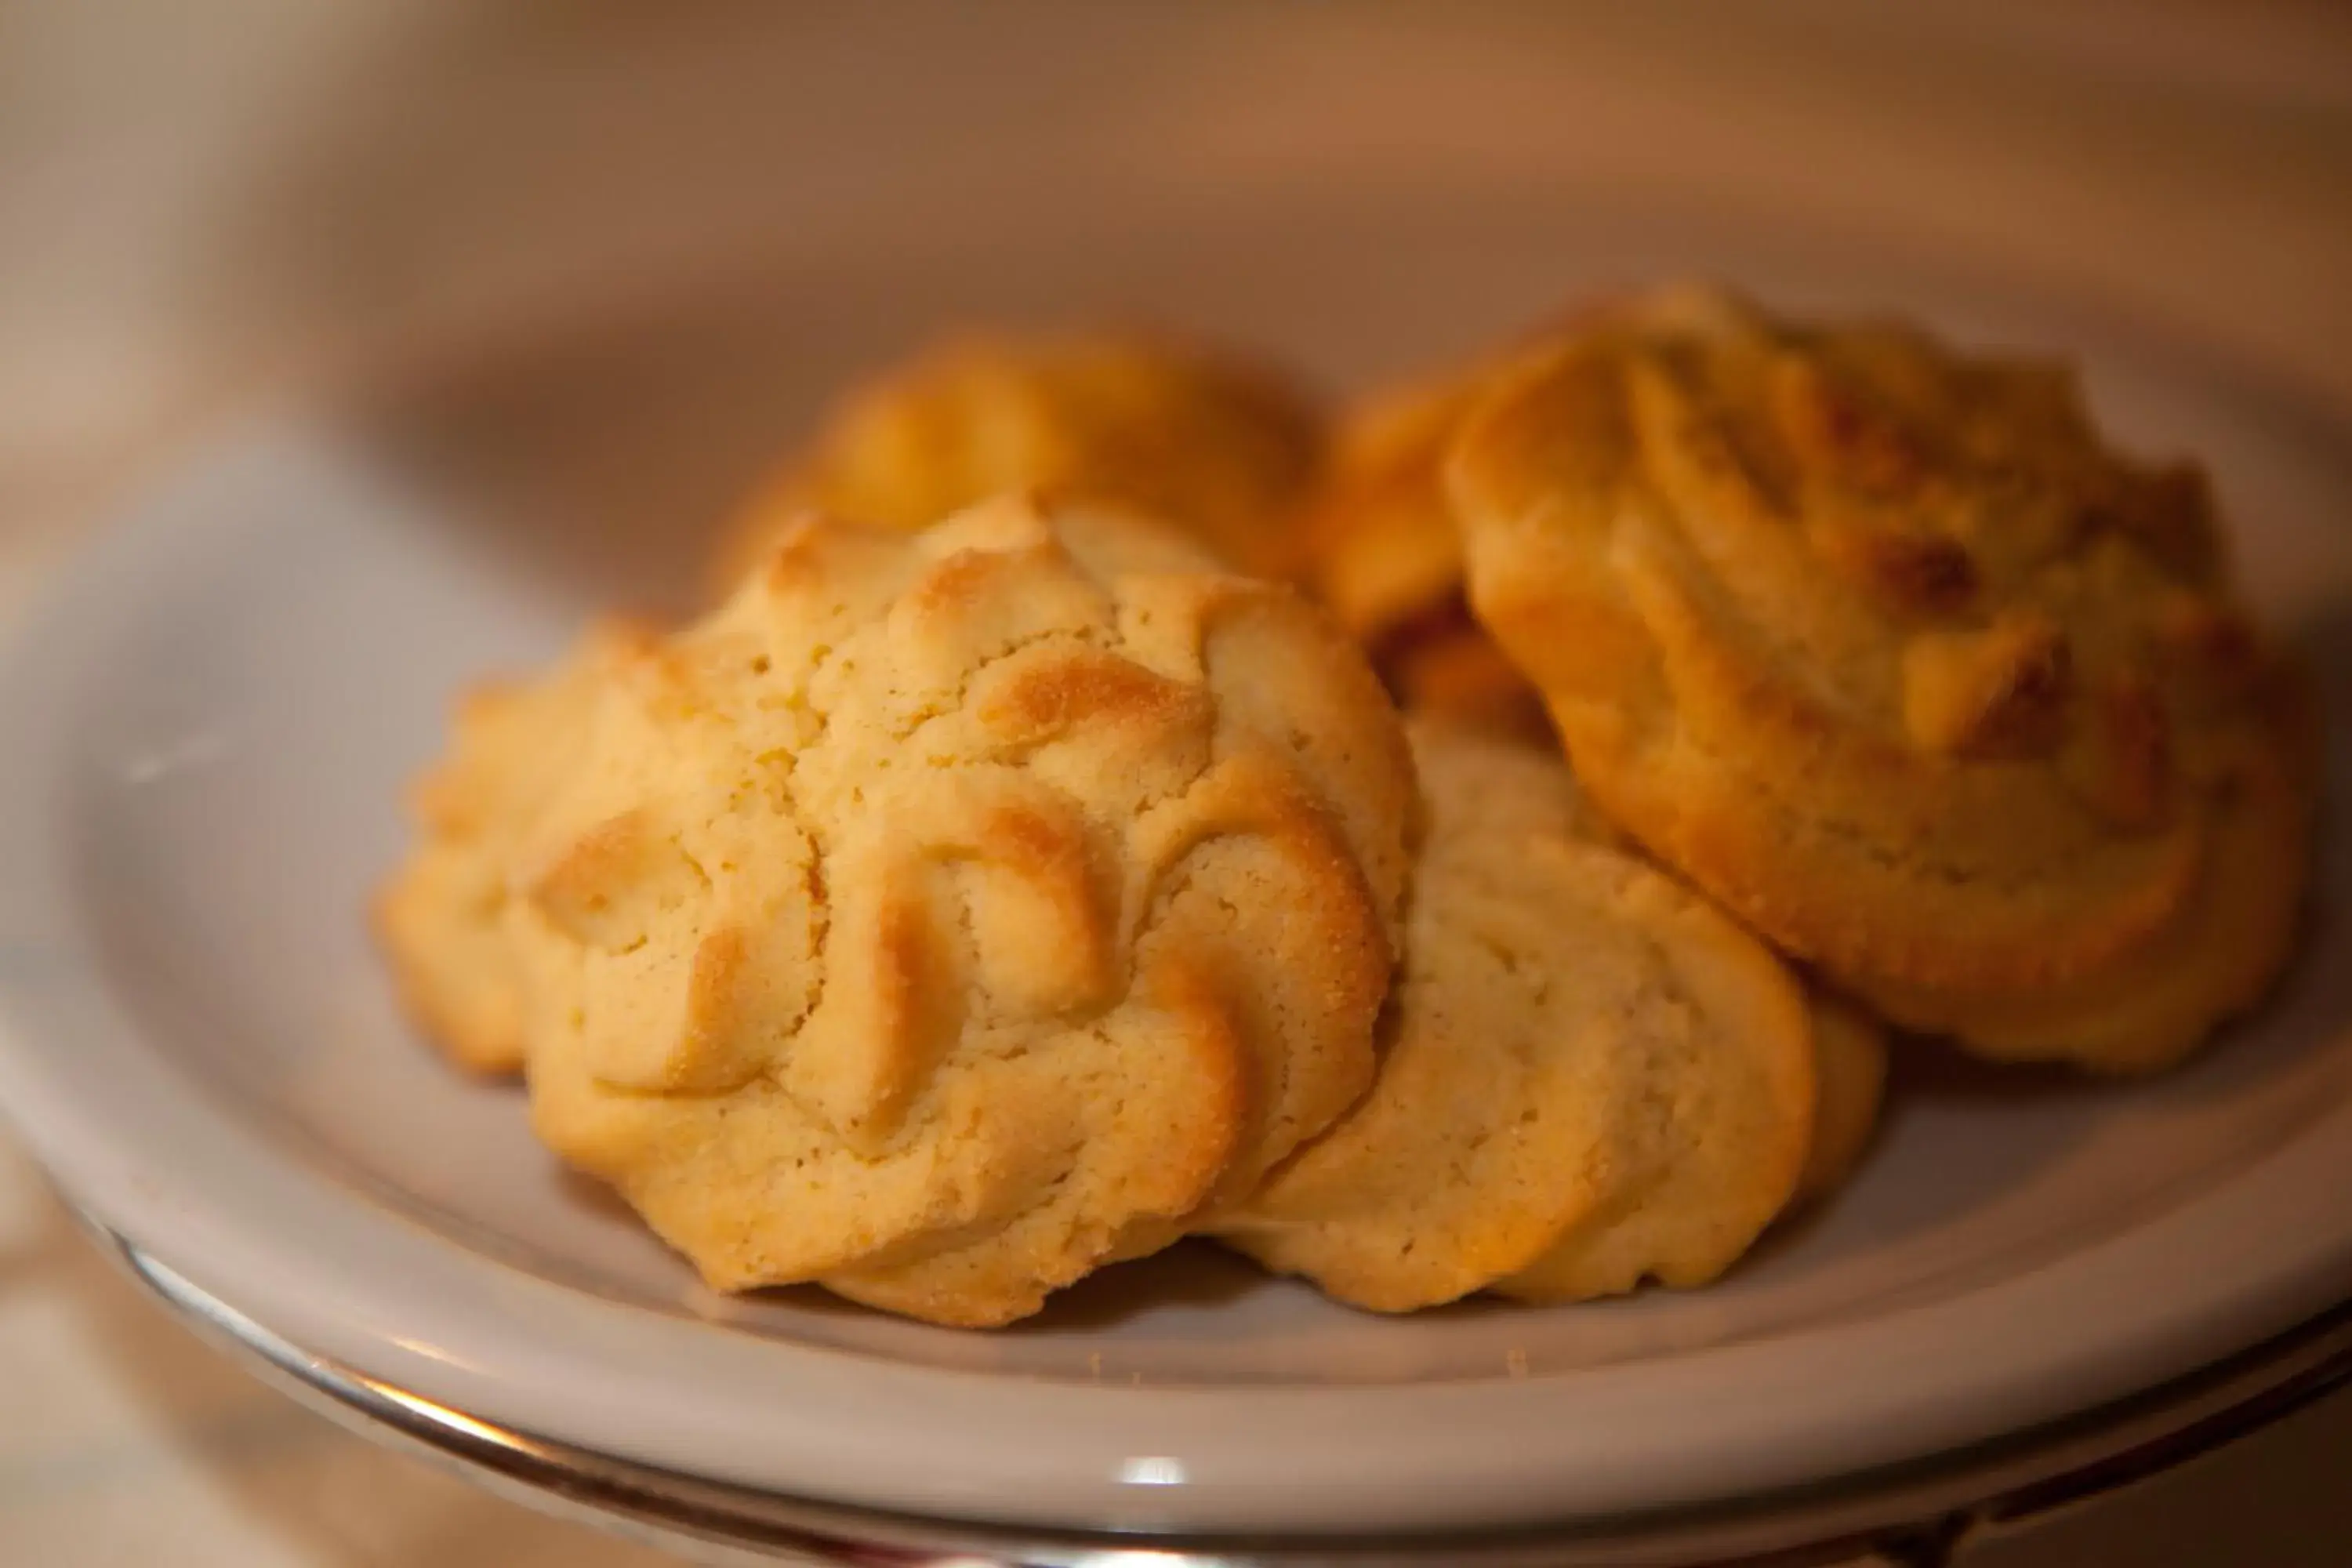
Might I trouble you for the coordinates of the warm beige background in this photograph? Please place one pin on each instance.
(197, 201)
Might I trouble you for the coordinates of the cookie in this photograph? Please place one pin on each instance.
(949, 914)
(441, 917)
(1850, 1080)
(1380, 548)
(1886, 649)
(1221, 447)
(1590, 1075)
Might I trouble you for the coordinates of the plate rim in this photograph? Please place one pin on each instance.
(1936, 1501)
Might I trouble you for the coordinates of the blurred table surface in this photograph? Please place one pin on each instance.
(195, 198)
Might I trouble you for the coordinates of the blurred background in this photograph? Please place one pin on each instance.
(196, 199)
(573, 219)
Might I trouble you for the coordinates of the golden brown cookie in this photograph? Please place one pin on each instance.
(1883, 647)
(441, 916)
(1850, 1080)
(950, 913)
(1590, 1075)
(1221, 447)
(1381, 550)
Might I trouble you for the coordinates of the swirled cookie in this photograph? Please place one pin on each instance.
(948, 914)
(1380, 548)
(441, 917)
(1590, 1075)
(1884, 649)
(1221, 447)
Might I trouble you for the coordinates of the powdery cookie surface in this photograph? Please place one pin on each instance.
(1216, 445)
(949, 915)
(1590, 1075)
(1884, 649)
(1381, 549)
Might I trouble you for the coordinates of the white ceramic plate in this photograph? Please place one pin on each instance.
(207, 727)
